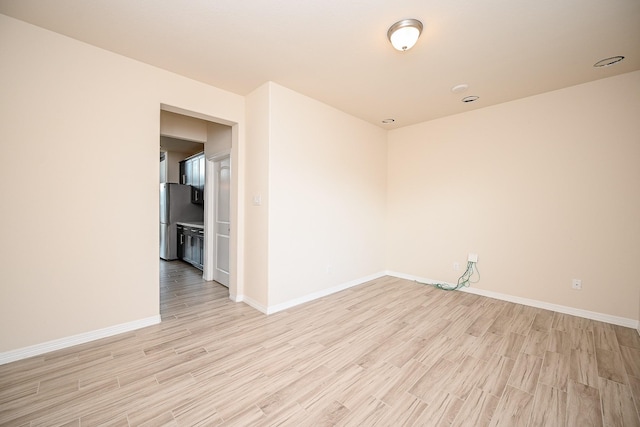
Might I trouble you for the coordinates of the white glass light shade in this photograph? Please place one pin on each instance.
(404, 34)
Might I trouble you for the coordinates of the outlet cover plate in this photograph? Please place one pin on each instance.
(473, 257)
(576, 284)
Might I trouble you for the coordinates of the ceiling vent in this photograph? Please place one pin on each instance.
(607, 62)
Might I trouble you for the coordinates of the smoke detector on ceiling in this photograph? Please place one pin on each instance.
(460, 88)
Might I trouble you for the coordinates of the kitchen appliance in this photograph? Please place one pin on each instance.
(175, 206)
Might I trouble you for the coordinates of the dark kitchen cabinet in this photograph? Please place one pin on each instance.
(188, 248)
(180, 240)
(199, 178)
(197, 243)
(191, 245)
(192, 173)
(196, 187)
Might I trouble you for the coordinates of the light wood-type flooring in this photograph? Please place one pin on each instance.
(390, 352)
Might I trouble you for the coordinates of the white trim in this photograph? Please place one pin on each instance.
(207, 264)
(307, 298)
(211, 197)
(38, 349)
(316, 295)
(250, 302)
(607, 318)
(218, 274)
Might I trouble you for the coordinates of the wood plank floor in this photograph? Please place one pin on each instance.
(390, 352)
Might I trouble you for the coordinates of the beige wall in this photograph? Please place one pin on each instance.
(321, 178)
(218, 139)
(183, 127)
(327, 195)
(256, 254)
(79, 139)
(544, 189)
(173, 165)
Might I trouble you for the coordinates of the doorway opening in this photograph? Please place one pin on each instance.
(195, 152)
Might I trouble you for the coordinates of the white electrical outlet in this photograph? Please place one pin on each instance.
(456, 266)
(576, 284)
(473, 257)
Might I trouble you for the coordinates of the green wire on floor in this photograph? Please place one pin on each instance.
(463, 281)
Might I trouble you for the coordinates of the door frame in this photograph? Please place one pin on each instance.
(209, 214)
(236, 250)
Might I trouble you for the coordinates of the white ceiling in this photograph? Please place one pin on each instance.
(336, 51)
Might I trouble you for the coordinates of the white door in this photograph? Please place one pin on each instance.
(222, 215)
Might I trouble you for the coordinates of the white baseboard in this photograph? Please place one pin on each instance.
(309, 297)
(38, 349)
(607, 318)
(250, 302)
(323, 293)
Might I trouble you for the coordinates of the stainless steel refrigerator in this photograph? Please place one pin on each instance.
(175, 206)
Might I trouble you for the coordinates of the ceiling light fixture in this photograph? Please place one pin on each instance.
(388, 121)
(404, 34)
(608, 61)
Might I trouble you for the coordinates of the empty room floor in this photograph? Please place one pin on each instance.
(390, 352)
